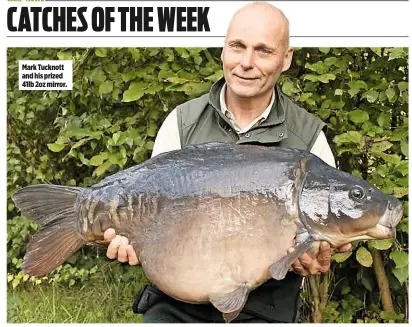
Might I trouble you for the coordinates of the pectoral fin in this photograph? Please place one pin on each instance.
(228, 317)
(231, 304)
(279, 269)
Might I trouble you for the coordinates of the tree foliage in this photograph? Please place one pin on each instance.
(121, 96)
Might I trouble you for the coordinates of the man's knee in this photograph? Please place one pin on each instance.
(164, 312)
(159, 314)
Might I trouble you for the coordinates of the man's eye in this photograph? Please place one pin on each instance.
(235, 46)
(265, 51)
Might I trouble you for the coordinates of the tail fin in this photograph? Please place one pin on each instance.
(53, 207)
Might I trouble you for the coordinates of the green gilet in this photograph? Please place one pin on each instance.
(201, 120)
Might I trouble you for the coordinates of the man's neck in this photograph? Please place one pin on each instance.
(245, 110)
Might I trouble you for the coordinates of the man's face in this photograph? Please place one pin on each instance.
(255, 53)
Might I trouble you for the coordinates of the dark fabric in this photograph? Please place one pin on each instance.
(169, 312)
(272, 302)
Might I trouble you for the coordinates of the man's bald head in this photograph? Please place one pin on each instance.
(272, 17)
(256, 52)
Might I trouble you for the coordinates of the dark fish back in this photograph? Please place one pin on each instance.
(211, 167)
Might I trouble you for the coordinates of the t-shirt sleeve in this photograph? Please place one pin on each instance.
(167, 138)
(322, 150)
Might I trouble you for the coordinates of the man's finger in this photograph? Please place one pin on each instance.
(345, 248)
(131, 254)
(324, 255)
(109, 234)
(298, 268)
(113, 247)
(122, 251)
(314, 249)
(305, 260)
(310, 265)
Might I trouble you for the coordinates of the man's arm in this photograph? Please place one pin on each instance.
(167, 138)
(322, 150)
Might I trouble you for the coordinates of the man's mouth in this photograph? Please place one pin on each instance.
(246, 78)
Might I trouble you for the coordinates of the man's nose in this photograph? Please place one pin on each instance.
(247, 59)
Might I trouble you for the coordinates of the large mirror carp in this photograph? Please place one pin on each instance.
(210, 222)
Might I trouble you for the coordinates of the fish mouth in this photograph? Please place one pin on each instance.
(393, 214)
(397, 214)
(386, 227)
(382, 231)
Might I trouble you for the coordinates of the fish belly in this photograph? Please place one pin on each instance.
(211, 245)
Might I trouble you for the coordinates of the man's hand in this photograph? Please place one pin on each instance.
(120, 248)
(311, 263)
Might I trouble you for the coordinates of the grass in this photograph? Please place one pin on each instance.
(96, 301)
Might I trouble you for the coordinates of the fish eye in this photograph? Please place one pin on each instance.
(357, 193)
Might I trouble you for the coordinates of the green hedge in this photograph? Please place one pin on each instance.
(121, 96)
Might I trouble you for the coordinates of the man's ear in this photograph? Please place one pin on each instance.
(288, 59)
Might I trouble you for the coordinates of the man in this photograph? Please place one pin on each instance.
(244, 107)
